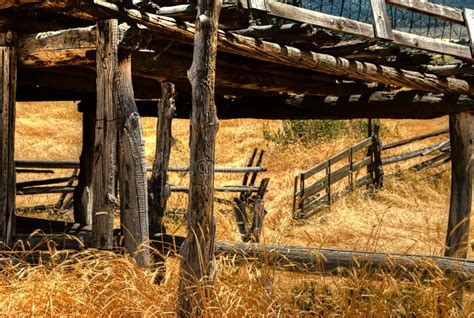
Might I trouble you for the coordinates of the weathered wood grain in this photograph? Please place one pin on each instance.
(132, 165)
(290, 56)
(7, 138)
(382, 25)
(105, 152)
(197, 263)
(83, 193)
(432, 9)
(461, 127)
(159, 191)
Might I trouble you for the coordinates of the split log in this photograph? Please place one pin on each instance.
(132, 168)
(461, 128)
(83, 193)
(159, 191)
(320, 260)
(103, 181)
(197, 263)
(7, 137)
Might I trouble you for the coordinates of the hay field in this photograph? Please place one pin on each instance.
(409, 215)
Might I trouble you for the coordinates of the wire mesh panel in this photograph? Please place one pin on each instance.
(401, 19)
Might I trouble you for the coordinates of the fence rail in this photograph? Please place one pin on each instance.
(308, 199)
(311, 197)
(382, 20)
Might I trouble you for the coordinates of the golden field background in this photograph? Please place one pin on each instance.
(409, 216)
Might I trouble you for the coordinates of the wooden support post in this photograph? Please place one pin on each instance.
(103, 183)
(469, 20)
(197, 263)
(461, 132)
(7, 137)
(382, 26)
(377, 169)
(159, 190)
(132, 167)
(83, 192)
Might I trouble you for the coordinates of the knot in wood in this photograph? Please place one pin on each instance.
(202, 167)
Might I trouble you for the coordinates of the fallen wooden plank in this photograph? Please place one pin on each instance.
(320, 260)
(413, 154)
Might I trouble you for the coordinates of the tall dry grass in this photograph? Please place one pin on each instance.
(409, 215)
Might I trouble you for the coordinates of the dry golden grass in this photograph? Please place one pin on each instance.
(408, 215)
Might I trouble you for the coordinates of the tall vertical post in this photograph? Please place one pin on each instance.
(158, 189)
(461, 131)
(377, 168)
(7, 136)
(83, 192)
(132, 164)
(197, 251)
(103, 183)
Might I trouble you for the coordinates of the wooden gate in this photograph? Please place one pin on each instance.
(313, 192)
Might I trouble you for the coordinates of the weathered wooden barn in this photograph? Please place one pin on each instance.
(119, 59)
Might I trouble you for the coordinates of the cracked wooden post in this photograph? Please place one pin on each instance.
(132, 165)
(159, 191)
(83, 192)
(8, 60)
(461, 133)
(197, 251)
(103, 183)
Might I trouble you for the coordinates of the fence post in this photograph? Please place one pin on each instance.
(197, 251)
(377, 169)
(7, 137)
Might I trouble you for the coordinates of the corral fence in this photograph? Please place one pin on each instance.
(318, 187)
(248, 205)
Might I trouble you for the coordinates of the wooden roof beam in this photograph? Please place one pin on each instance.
(395, 105)
(287, 55)
(77, 47)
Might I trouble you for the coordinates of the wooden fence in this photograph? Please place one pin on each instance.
(248, 206)
(311, 197)
(313, 193)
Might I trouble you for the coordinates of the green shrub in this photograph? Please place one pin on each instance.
(308, 131)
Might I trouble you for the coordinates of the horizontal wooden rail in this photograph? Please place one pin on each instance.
(49, 164)
(365, 30)
(45, 190)
(185, 189)
(25, 184)
(416, 138)
(321, 260)
(223, 169)
(433, 162)
(70, 164)
(432, 9)
(343, 154)
(312, 207)
(416, 153)
(307, 260)
(336, 176)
